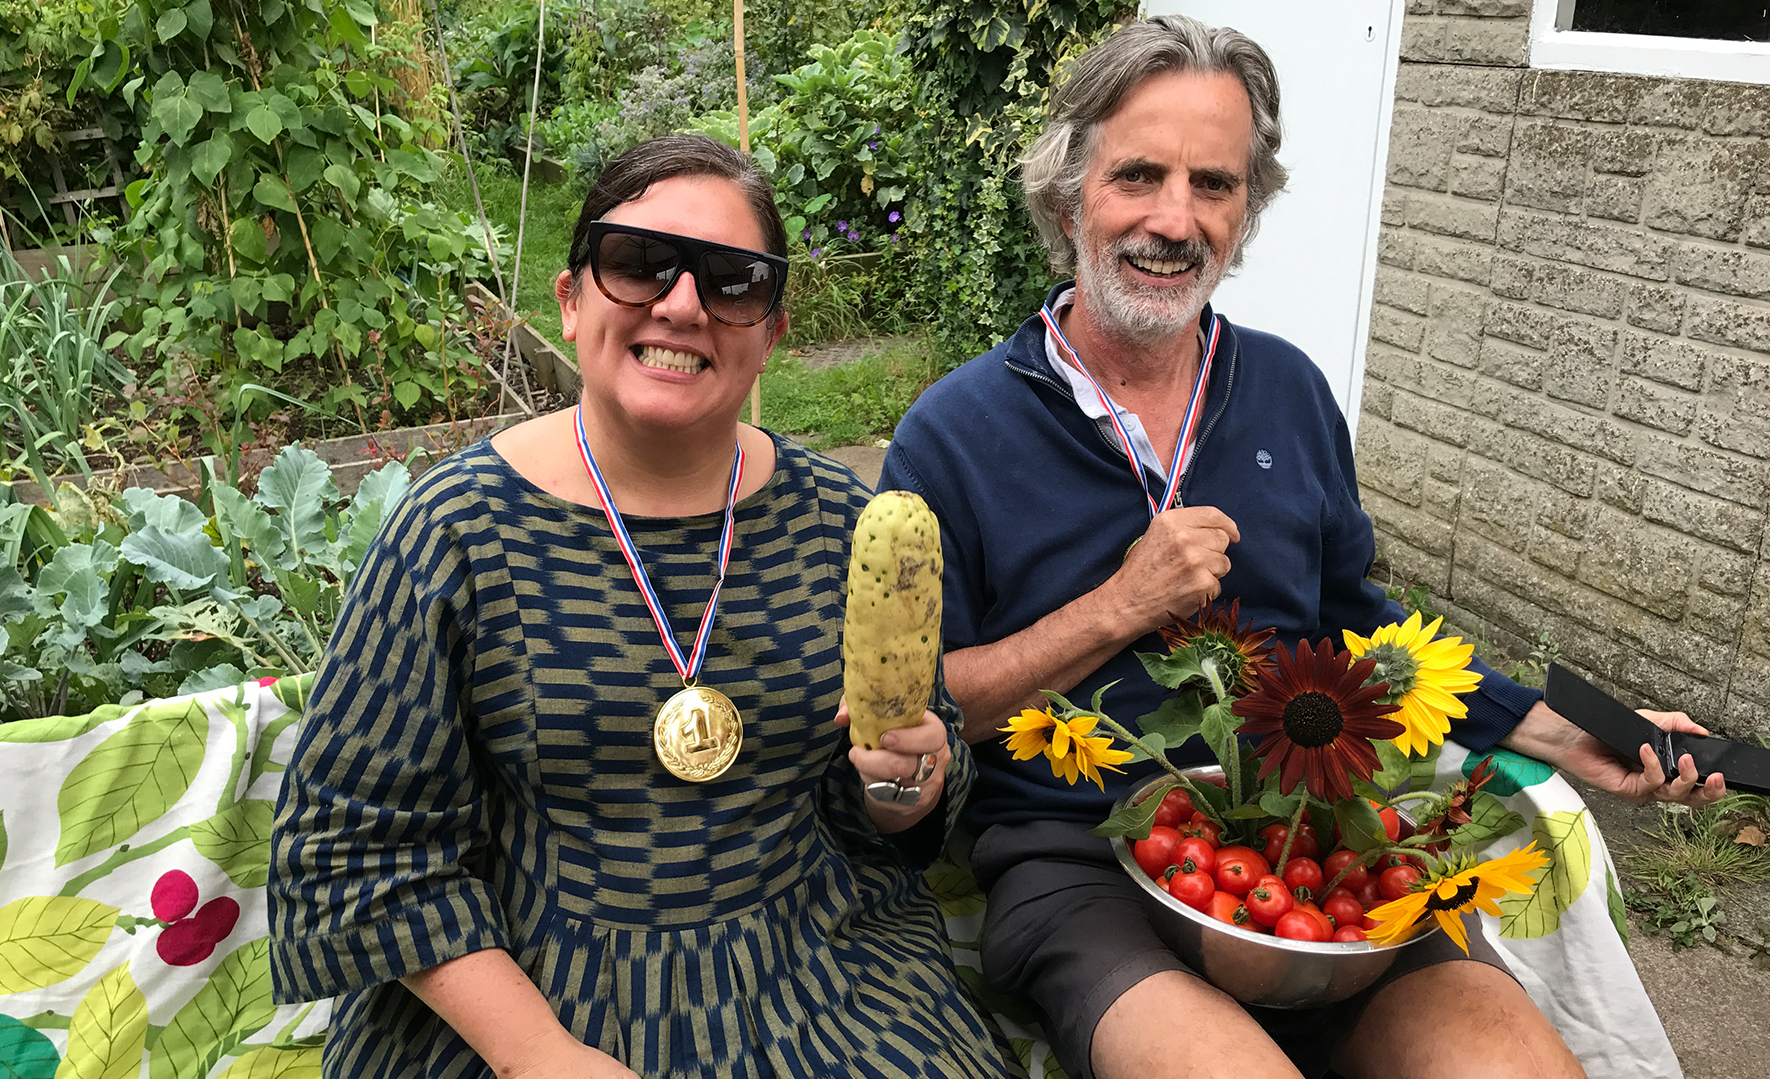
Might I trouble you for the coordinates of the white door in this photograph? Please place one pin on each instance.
(1308, 275)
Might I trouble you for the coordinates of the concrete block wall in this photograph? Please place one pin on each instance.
(1565, 425)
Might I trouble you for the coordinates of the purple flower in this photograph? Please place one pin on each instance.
(894, 237)
(875, 129)
(841, 226)
(853, 234)
(817, 252)
(894, 217)
(873, 144)
(806, 235)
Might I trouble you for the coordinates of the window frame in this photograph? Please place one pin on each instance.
(1642, 54)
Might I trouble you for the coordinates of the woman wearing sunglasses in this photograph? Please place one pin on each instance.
(571, 797)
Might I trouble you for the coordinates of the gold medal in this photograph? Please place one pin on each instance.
(698, 734)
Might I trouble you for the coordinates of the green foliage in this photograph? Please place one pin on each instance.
(1533, 670)
(985, 67)
(838, 143)
(845, 404)
(1684, 866)
(493, 55)
(141, 595)
(54, 375)
(282, 230)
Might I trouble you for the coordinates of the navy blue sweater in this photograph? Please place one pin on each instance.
(1037, 506)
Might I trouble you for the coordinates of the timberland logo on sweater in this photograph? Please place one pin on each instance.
(1263, 459)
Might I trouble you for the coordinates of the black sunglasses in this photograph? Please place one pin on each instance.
(637, 267)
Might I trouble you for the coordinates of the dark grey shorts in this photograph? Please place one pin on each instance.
(1065, 928)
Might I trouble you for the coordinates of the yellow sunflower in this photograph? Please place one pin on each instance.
(1069, 744)
(1424, 677)
(1452, 888)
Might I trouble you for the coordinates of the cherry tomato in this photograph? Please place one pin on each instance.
(1195, 889)
(1299, 925)
(1203, 855)
(1176, 808)
(1397, 881)
(1327, 926)
(1414, 860)
(1338, 861)
(1391, 823)
(1370, 896)
(1344, 911)
(1238, 868)
(1260, 863)
(1306, 844)
(1157, 852)
(1303, 873)
(1229, 908)
(1347, 934)
(1269, 901)
(1203, 827)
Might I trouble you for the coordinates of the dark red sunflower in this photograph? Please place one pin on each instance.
(1456, 804)
(1243, 654)
(1318, 717)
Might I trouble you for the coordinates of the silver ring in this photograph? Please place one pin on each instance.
(890, 790)
(924, 769)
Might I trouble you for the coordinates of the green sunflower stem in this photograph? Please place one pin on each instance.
(1230, 751)
(1199, 801)
(1209, 666)
(1284, 852)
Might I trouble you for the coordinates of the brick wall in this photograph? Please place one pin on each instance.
(1566, 415)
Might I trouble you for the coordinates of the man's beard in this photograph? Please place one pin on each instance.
(1138, 312)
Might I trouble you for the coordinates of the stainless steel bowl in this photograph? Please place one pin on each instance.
(1254, 968)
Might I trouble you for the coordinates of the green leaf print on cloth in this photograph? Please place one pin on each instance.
(24, 1053)
(238, 840)
(45, 939)
(131, 778)
(1563, 837)
(109, 1030)
(1512, 772)
(231, 1007)
(271, 1062)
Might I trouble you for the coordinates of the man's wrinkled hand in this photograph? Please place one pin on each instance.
(1176, 567)
(1547, 736)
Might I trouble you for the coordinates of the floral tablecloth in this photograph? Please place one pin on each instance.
(134, 849)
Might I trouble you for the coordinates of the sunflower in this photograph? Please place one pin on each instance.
(1453, 888)
(1318, 717)
(1068, 743)
(1457, 800)
(1424, 677)
(1243, 654)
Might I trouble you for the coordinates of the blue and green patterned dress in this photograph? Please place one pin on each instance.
(475, 770)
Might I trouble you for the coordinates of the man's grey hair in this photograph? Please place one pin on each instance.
(1057, 161)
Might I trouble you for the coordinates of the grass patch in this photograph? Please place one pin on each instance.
(546, 241)
(848, 403)
(1684, 866)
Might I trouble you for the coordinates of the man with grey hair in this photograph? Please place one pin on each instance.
(1123, 459)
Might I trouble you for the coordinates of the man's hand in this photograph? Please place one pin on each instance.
(1176, 568)
(1548, 737)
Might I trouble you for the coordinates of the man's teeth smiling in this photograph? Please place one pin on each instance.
(686, 362)
(1159, 267)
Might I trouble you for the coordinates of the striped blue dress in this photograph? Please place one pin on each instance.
(475, 770)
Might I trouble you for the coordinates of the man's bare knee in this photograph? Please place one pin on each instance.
(1457, 1020)
(1172, 1025)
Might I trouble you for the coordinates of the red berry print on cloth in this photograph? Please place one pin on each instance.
(189, 939)
(174, 895)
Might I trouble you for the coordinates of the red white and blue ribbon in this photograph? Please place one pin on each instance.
(1188, 429)
(690, 665)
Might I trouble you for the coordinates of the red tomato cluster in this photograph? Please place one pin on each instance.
(1237, 884)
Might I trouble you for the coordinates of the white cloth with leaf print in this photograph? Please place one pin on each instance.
(1564, 943)
(97, 810)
